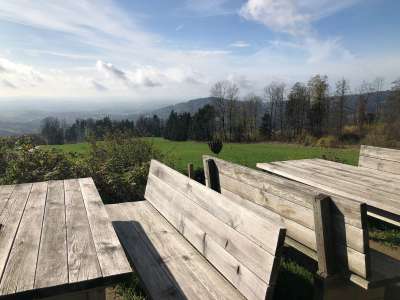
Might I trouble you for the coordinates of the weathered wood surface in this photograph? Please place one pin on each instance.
(239, 243)
(170, 268)
(47, 245)
(293, 202)
(382, 159)
(380, 195)
(360, 184)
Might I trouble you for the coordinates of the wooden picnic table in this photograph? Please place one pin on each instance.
(56, 239)
(379, 190)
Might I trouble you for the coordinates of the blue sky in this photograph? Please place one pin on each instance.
(175, 50)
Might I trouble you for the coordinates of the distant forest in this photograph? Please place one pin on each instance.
(309, 113)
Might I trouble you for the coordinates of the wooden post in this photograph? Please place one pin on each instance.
(212, 176)
(190, 171)
(324, 235)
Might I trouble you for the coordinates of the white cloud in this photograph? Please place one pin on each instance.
(240, 44)
(291, 16)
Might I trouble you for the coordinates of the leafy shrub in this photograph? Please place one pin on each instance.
(307, 140)
(27, 164)
(119, 167)
(328, 142)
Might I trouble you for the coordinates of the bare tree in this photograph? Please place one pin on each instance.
(342, 89)
(232, 96)
(274, 94)
(220, 91)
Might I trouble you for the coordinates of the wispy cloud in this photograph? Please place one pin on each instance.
(209, 7)
(291, 16)
(8, 84)
(240, 44)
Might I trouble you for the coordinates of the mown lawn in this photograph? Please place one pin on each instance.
(245, 154)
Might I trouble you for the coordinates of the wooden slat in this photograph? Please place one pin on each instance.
(169, 266)
(217, 241)
(290, 190)
(19, 274)
(380, 199)
(222, 208)
(388, 166)
(382, 153)
(324, 235)
(10, 219)
(268, 191)
(82, 258)
(5, 193)
(361, 179)
(371, 173)
(110, 254)
(297, 219)
(52, 265)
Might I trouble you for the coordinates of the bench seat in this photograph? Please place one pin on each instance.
(187, 241)
(168, 265)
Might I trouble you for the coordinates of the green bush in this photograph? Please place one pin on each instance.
(328, 142)
(119, 167)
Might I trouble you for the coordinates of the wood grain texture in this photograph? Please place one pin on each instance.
(226, 233)
(169, 266)
(293, 202)
(10, 218)
(379, 152)
(110, 254)
(5, 193)
(82, 258)
(19, 274)
(52, 264)
(388, 166)
(324, 235)
(381, 199)
(217, 241)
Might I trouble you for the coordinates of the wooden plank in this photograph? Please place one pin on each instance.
(348, 215)
(364, 180)
(363, 174)
(324, 235)
(5, 193)
(388, 166)
(382, 153)
(19, 274)
(298, 220)
(381, 200)
(221, 207)
(196, 224)
(290, 190)
(83, 264)
(52, 264)
(110, 254)
(179, 268)
(10, 219)
(371, 173)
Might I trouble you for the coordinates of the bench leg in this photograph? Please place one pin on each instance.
(92, 294)
(338, 288)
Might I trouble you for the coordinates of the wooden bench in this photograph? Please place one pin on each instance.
(330, 229)
(188, 242)
(381, 159)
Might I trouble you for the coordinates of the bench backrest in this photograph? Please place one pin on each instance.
(381, 159)
(241, 245)
(296, 205)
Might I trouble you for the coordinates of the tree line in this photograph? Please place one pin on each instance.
(311, 110)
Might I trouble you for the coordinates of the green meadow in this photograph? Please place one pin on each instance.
(246, 154)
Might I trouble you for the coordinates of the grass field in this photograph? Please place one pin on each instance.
(245, 154)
